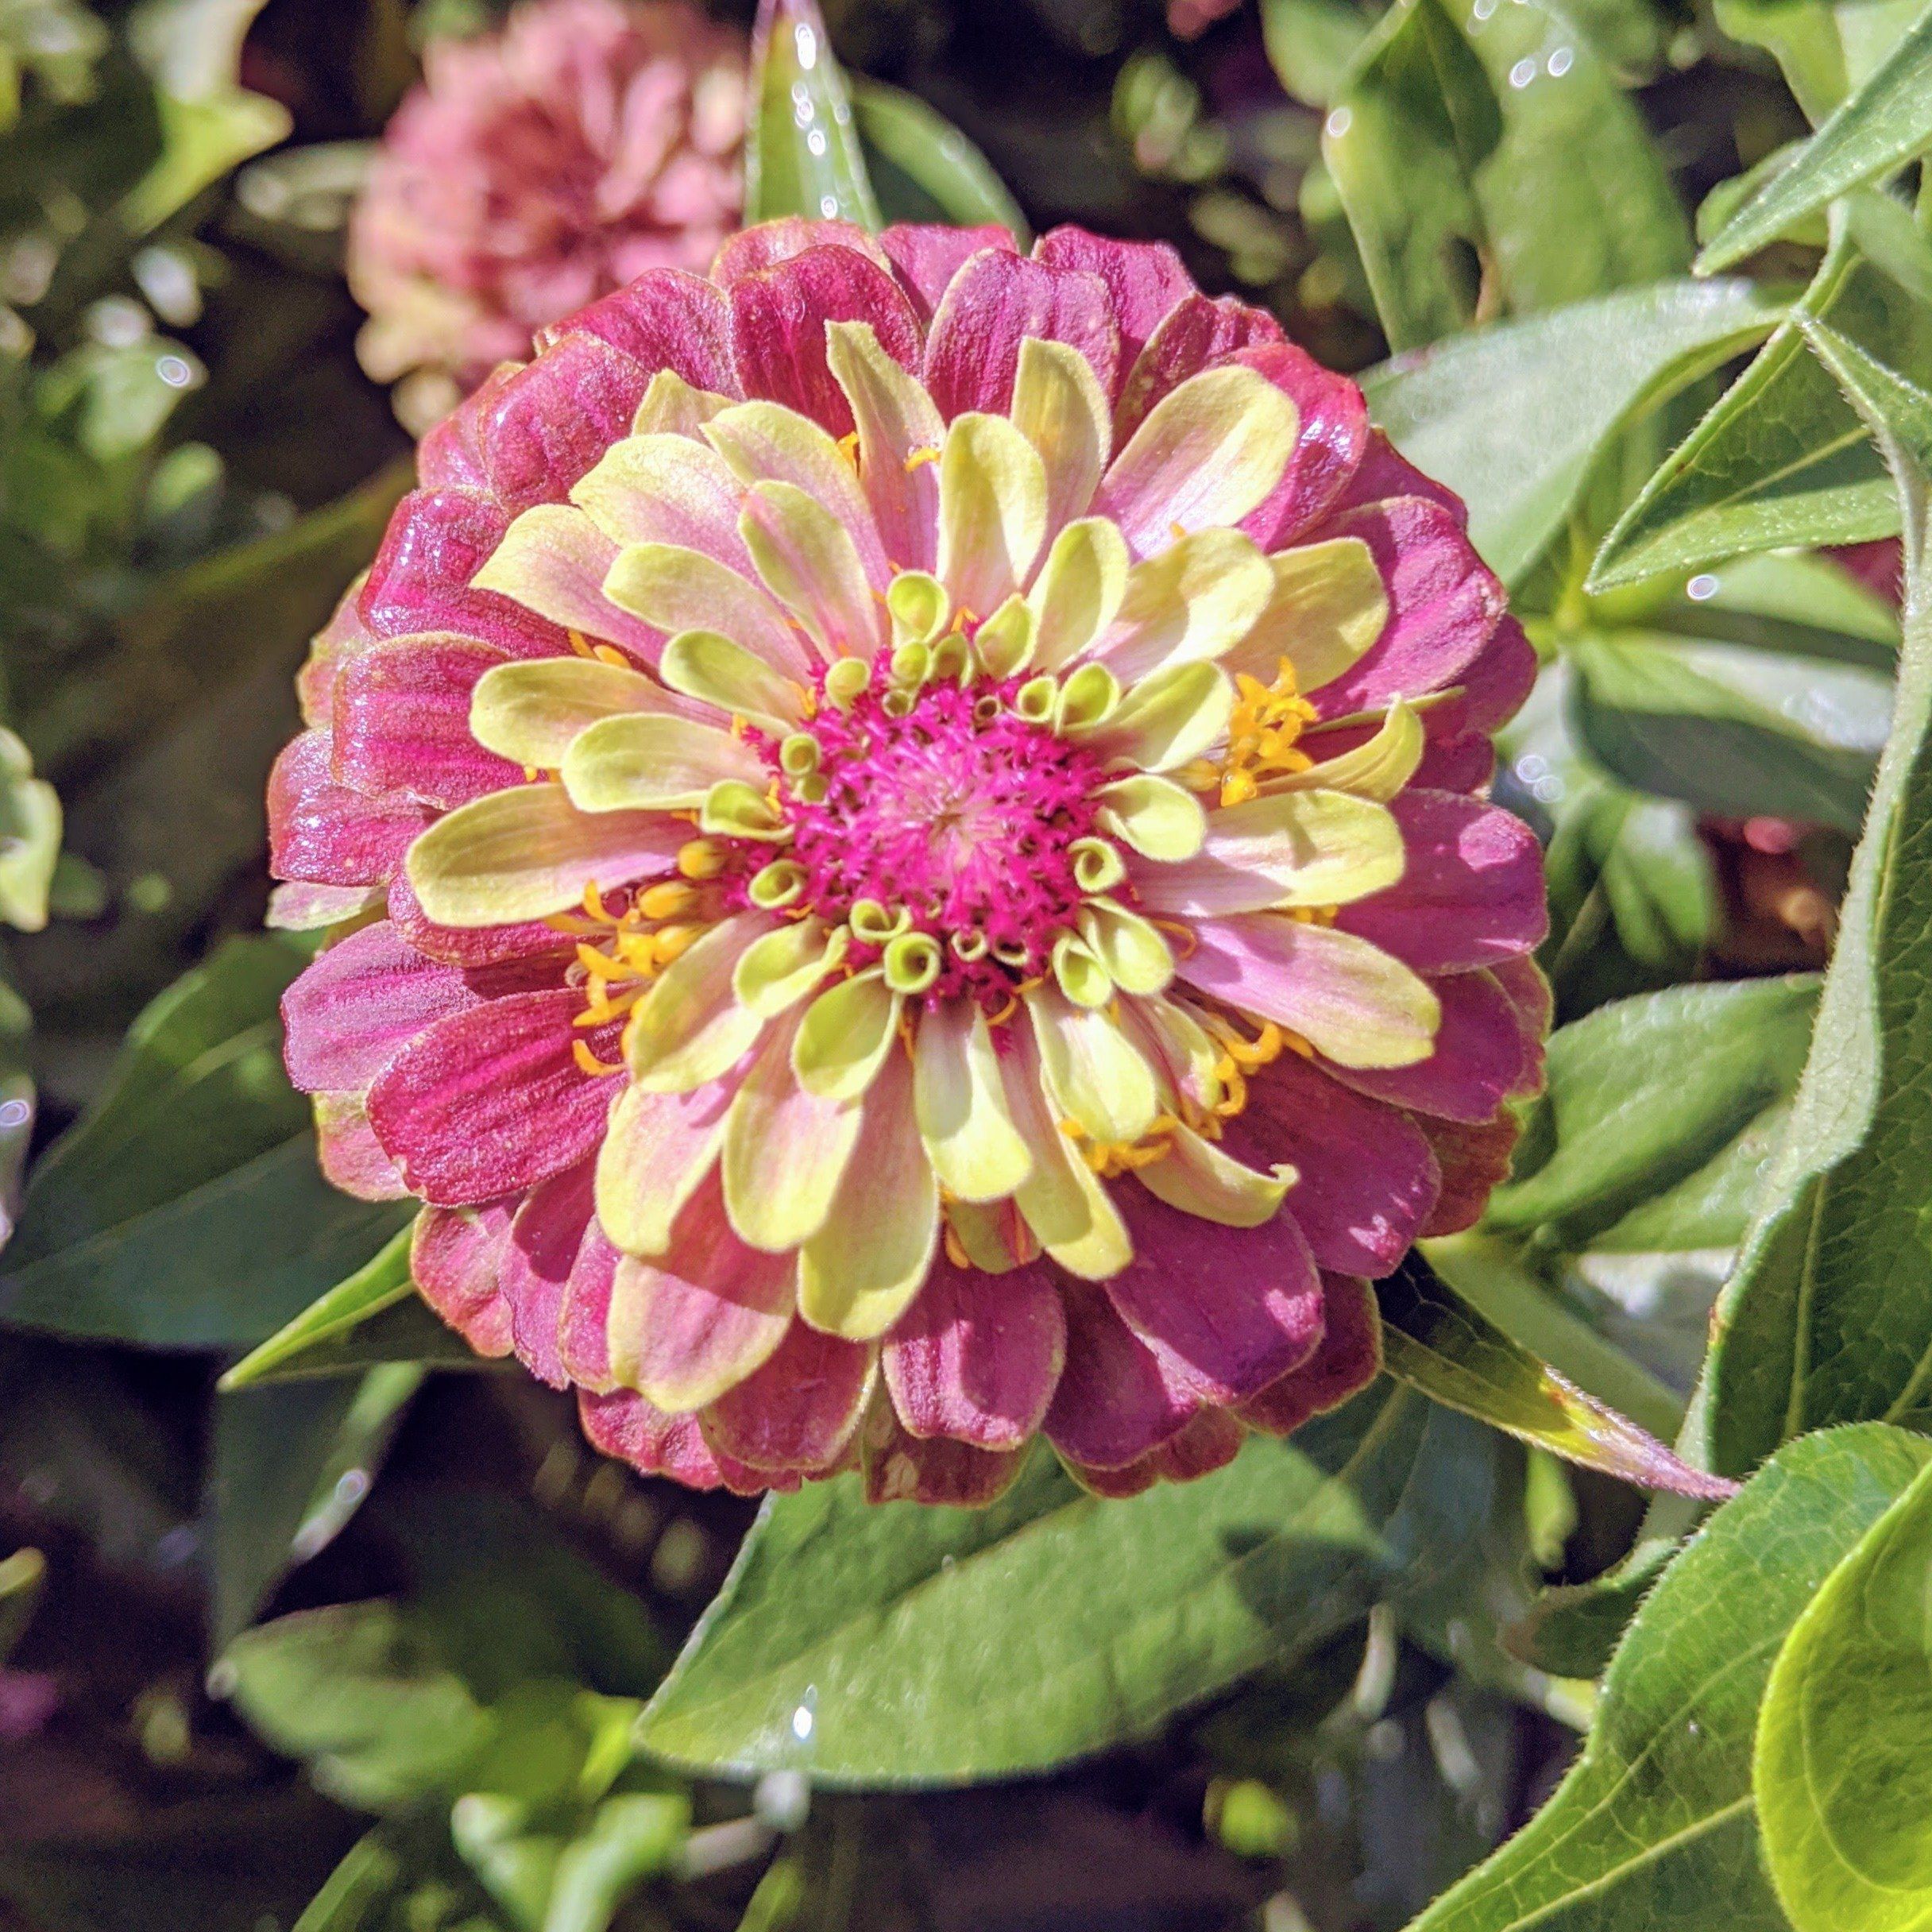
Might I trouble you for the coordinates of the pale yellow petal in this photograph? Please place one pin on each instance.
(675, 588)
(1063, 1202)
(657, 1150)
(900, 432)
(785, 1150)
(1166, 721)
(1197, 600)
(554, 560)
(645, 762)
(666, 489)
(847, 1033)
(673, 407)
(992, 512)
(810, 564)
(1154, 815)
(531, 712)
(1058, 406)
(1078, 592)
(690, 1029)
(1199, 1178)
(1289, 848)
(1327, 604)
(781, 968)
(1137, 958)
(707, 665)
(961, 1104)
(1377, 769)
(1093, 1072)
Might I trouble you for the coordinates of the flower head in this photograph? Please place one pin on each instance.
(916, 814)
(537, 168)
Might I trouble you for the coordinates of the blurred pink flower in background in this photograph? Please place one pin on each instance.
(535, 169)
(1189, 19)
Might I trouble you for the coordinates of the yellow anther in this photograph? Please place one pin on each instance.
(1262, 735)
(609, 654)
(920, 458)
(1178, 531)
(848, 447)
(701, 859)
(667, 901)
(581, 644)
(956, 1249)
(672, 942)
(598, 1069)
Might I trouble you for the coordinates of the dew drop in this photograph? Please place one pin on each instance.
(1560, 62)
(1701, 586)
(1523, 73)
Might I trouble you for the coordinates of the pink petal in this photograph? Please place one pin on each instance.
(625, 1425)
(1115, 1400)
(976, 1356)
(455, 1256)
(925, 256)
(994, 302)
(1479, 1058)
(328, 834)
(755, 249)
(331, 649)
(902, 1468)
(1443, 605)
(710, 1307)
(668, 319)
(1330, 443)
(1466, 764)
(402, 722)
(1228, 1310)
(778, 318)
(1495, 686)
(538, 1260)
(1145, 281)
(451, 453)
(1350, 1356)
(799, 1410)
(1471, 889)
(436, 542)
(350, 1155)
(1382, 473)
(1527, 988)
(1210, 1442)
(491, 1101)
(549, 423)
(1472, 1160)
(583, 1323)
(1367, 1178)
(1197, 335)
(468, 946)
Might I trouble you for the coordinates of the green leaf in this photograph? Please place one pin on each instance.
(1416, 120)
(21, 1576)
(1574, 1632)
(1843, 1778)
(1653, 1827)
(1733, 731)
(1659, 1111)
(1716, 210)
(924, 168)
(1885, 123)
(1782, 458)
(802, 155)
(1826, 47)
(1580, 374)
(29, 837)
(1436, 1340)
(288, 1468)
(1807, 606)
(1828, 1316)
(187, 1210)
(379, 1284)
(1311, 44)
(894, 1643)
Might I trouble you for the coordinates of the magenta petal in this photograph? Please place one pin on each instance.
(469, 945)
(491, 1101)
(350, 1155)
(1479, 1058)
(1472, 1159)
(451, 453)
(583, 1323)
(625, 1425)
(995, 301)
(436, 542)
(1144, 281)
(328, 834)
(1527, 988)
(333, 648)
(976, 1356)
(538, 1260)
(1115, 1399)
(668, 319)
(902, 1468)
(1197, 335)
(1471, 889)
(1495, 686)
(549, 424)
(455, 1258)
(1464, 764)
(1228, 1309)
(1330, 443)
(1382, 473)
(799, 1410)
(1210, 1442)
(753, 250)
(778, 318)
(1367, 1177)
(1347, 1360)
(925, 256)
(1443, 605)
(402, 722)
(358, 1003)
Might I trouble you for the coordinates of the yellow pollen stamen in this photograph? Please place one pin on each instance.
(589, 1062)
(701, 859)
(920, 458)
(1261, 735)
(581, 644)
(956, 1249)
(848, 447)
(1110, 1159)
(609, 654)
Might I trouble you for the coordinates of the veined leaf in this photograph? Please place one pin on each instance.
(1654, 1821)
(1841, 1772)
(1826, 47)
(924, 169)
(379, 1284)
(896, 1643)
(1885, 123)
(1513, 418)
(1828, 1316)
(801, 150)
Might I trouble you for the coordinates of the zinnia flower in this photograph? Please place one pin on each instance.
(538, 169)
(915, 814)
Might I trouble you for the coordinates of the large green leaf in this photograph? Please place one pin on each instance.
(1436, 1338)
(1885, 123)
(1828, 1317)
(1782, 458)
(1653, 1828)
(1312, 44)
(893, 1644)
(1843, 1777)
(187, 1210)
(1660, 1111)
(802, 155)
(924, 169)
(1826, 47)
(1729, 729)
(1513, 418)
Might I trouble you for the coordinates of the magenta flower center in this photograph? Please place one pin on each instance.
(956, 810)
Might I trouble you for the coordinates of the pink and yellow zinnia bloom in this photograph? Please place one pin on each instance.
(908, 824)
